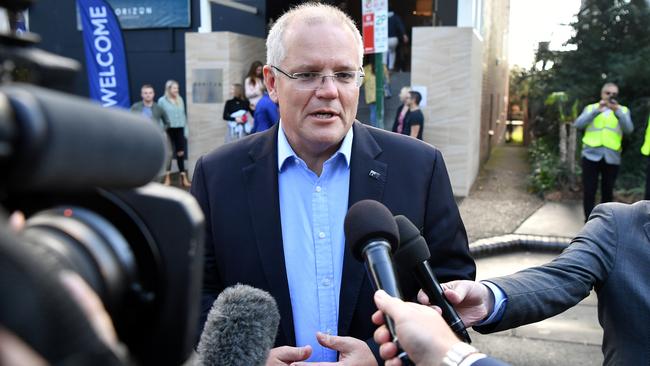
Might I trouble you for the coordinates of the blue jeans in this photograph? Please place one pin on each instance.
(373, 114)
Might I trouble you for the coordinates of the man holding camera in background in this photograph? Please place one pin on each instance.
(604, 124)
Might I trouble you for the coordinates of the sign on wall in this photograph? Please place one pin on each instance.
(207, 86)
(139, 14)
(374, 25)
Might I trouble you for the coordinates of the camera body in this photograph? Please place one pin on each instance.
(139, 249)
(82, 176)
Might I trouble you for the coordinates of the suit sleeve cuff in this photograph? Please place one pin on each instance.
(500, 302)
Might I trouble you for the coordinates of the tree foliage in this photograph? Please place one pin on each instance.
(612, 40)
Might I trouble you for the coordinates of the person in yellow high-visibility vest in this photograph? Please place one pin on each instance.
(645, 150)
(604, 123)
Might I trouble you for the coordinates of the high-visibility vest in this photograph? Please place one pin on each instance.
(604, 130)
(645, 149)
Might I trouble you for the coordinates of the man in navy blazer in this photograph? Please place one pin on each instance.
(611, 255)
(275, 201)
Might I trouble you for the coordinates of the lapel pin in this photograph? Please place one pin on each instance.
(374, 174)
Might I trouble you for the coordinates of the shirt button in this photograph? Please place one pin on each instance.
(321, 235)
(326, 282)
(318, 189)
(328, 331)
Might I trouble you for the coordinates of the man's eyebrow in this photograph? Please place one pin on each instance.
(316, 67)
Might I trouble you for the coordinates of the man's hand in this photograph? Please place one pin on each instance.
(421, 331)
(602, 105)
(613, 104)
(352, 351)
(472, 300)
(286, 355)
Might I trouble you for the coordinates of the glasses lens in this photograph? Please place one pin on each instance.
(315, 80)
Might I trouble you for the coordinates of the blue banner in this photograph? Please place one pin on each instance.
(105, 59)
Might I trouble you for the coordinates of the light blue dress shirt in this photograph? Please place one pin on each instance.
(312, 210)
(500, 303)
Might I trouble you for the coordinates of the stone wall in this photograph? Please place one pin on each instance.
(213, 62)
(447, 61)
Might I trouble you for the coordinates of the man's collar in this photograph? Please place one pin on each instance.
(285, 151)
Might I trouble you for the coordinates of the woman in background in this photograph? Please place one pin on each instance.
(237, 103)
(174, 106)
(254, 84)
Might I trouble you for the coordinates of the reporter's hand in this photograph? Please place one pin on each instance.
(472, 300)
(421, 331)
(352, 351)
(286, 355)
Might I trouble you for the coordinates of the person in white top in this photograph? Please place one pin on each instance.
(254, 84)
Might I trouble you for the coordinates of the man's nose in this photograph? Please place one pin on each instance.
(328, 88)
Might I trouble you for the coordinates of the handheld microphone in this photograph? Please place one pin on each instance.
(414, 255)
(240, 329)
(371, 233)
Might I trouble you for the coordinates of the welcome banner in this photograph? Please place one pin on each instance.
(105, 58)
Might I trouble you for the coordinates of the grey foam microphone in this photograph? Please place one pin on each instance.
(240, 329)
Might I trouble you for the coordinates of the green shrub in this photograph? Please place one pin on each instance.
(545, 165)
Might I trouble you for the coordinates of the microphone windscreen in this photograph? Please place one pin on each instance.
(240, 329)
(413, 248)
(367, 220)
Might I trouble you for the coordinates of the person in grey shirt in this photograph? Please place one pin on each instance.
(604, 124)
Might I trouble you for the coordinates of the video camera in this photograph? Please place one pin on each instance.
(80, 173)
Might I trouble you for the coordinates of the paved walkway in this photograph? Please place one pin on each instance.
(500, 204)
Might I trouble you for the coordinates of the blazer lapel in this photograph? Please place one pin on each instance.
(367, 180)
(261, 179)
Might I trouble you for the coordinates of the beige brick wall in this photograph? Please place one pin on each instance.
(230, 53)
(494, 103)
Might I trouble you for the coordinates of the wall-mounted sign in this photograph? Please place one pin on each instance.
(139, 14)
(207, 86)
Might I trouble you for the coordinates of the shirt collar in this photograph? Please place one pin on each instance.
(285, 151)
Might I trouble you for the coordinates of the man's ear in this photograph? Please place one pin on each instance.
(270, 81)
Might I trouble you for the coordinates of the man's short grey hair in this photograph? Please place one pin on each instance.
(310, 13)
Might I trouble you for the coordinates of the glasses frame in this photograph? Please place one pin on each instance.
(358, 81)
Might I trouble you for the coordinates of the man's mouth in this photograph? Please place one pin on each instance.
(323, 115)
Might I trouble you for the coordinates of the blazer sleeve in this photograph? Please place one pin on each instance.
(212, 284)
(541, 292)
(444, 230)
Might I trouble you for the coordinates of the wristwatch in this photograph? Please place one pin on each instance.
(457, 353)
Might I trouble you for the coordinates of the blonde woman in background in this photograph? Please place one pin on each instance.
(174, 106)
(254, 84)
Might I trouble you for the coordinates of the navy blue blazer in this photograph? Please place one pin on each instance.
(237, 188)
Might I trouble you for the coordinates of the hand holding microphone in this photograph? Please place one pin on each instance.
(414, 255)
(371, 233)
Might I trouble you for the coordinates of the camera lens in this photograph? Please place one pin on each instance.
(80, 240)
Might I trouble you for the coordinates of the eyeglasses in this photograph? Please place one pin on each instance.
(610, 93)
(314, 80)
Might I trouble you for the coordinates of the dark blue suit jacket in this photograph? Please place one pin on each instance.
(237, 188)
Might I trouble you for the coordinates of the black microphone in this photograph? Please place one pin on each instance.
(56, 141)
(371, 233)
(413, 255)
(240, 329)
